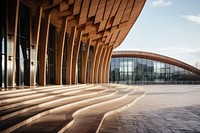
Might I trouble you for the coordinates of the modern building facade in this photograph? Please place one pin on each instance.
(137, 67)
(61, 41)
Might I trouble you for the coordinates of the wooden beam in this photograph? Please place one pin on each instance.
(75, 58)
(93, 8)
(77, 7)
(12, 7)
(34, 45)
(104, 70)
(120, 13)
(43, 48)
(84, 12)
(70, 49)
(84, 61)
(102, 64)
(100, 11)
(59, 52)
(92, 65)
(108, 67)
(96, 68)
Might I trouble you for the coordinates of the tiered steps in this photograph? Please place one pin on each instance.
(63, 108)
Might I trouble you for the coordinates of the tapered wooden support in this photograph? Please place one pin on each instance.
(92, 65)
(75, 58)
(34, 45)
(84, 62)
(101, 65)
(96, 68)
(43, 49)
(108, 67)
(12, 9)
(59, 52)
(70, 49)
(104, 69)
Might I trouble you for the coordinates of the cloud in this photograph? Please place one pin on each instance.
(193, 18)
(157, 3)
(180, 52)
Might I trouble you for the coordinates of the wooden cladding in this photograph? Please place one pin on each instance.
(105, 21)
(97, 25)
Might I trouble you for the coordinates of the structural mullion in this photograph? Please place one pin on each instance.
(60, 50)
(94, 54)
(43, 49)
(84, 62)
(34, 45)
(70, 49)
(75, 58)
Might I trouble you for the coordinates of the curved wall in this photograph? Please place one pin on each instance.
(133, 67)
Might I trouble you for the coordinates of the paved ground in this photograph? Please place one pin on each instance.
(164, 109)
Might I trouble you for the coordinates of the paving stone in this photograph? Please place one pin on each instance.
(164, 109)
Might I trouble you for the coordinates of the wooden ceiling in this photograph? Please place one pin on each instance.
(105, 22)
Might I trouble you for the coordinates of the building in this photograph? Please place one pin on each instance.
(137, 67)
(61, 41)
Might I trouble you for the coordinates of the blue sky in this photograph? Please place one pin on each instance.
(167, 27)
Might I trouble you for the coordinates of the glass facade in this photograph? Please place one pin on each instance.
(23, 47)
(129, 70)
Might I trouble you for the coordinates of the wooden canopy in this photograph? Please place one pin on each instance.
(103, 21)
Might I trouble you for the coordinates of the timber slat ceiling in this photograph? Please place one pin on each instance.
(93, 8)
(104, 21)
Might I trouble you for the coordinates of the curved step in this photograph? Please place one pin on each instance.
(39, 97)
(93, 117)
(66, 114)
(99, 121)
(57, 98)
(29, 93)
(15, 90)
(25, 118)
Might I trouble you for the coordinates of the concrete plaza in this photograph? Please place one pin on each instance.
(164, 109)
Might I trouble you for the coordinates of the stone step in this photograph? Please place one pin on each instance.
(63, 118)
(95, 127)
(5, 114)
(15, 122)
(36, 90)
(93, 117)
(61, 108)
(45, 94)
(17, 90)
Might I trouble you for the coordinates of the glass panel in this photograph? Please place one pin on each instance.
(139, 70)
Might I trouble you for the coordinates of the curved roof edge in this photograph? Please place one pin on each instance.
(157, 57)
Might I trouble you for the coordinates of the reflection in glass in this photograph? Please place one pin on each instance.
(144, 71)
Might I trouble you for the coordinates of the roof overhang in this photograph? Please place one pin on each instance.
(105, 22)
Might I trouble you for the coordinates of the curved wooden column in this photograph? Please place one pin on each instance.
(59, 52)
(70, 49)
(34, 45)
(105, 65)
(102, 58)
(84, 62)
(12, 10)
(96, 68)
(94, 54)
(75, 58)
(43, 48)
(108, 66)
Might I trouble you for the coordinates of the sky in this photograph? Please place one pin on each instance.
(167, 27)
